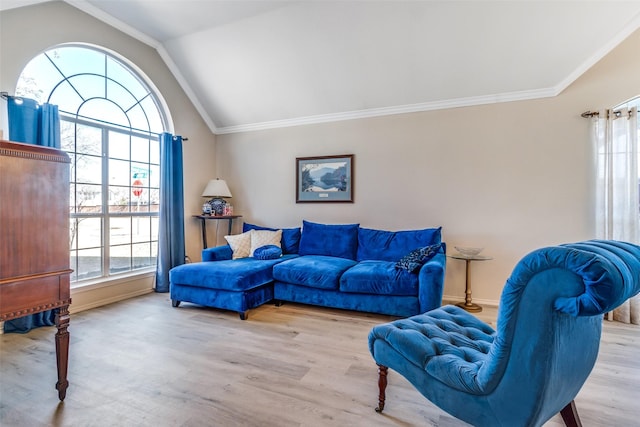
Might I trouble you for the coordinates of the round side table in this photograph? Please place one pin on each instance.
(467, 304)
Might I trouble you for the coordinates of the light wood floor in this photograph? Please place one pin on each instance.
(142, 362)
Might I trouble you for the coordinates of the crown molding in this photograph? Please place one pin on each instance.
(101, 15)
(86, 7)
(387, 111)
(187, 88)
(158, 46)
(628, 29)
(550, 92)
(632, 26)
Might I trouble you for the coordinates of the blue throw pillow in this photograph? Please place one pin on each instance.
(416, 258)
(290, 241)
(382, 245)
(267, 252)
(330, 240)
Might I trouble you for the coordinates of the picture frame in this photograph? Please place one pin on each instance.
(324, 179)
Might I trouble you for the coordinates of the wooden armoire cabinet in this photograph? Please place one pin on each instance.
(34, 239)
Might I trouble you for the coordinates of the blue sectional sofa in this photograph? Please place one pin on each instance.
(398, 273)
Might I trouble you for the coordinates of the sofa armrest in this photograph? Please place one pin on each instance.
(431, 281)
(218, 253)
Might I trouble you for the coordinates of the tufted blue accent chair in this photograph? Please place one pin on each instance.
(544, 348)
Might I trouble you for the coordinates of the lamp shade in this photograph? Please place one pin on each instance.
(216, 188)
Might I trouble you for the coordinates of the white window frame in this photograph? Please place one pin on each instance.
(160, 114)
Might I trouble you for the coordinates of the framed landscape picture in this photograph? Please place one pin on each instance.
(324, 179)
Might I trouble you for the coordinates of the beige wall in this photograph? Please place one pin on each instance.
(509, 177)
(26, 32)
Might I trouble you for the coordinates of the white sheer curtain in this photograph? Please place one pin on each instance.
(617, 204)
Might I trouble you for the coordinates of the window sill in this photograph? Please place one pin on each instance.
(102, 282)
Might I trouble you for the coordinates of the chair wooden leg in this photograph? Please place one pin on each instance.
(570, 415)
(382, 386)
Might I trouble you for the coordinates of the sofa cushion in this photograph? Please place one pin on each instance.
(316, 271)
(261, 238)
(290, 241)
(267, 252)
(240, 244)
(379, 278)
(415, 259)
(234, 275)
(384, 245)
(336, 240)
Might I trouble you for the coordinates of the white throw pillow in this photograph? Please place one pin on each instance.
(260, 238)
(240, 244)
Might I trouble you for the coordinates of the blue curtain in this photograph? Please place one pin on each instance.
(171, 250)
(32, 124)
(49, 126)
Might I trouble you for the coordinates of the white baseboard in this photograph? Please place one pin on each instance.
(108, 292)
(76, 308)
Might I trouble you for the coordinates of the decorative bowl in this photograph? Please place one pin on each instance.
(468, 251)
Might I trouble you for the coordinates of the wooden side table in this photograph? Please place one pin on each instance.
(203, 223)
(468, 304)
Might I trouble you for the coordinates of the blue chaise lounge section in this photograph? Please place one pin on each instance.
(222, 282)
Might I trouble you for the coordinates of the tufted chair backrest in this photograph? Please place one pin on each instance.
(550, 318)
(545, 344)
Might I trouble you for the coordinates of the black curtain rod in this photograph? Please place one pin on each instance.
(589, 114)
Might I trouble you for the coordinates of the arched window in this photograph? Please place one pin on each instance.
(110, 120)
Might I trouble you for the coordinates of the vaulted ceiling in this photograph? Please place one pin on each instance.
(262, 64)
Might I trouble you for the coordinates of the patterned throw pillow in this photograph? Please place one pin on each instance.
(416, 258)
(290, 241)
(267, 252)
(240, 244)
(261, 238)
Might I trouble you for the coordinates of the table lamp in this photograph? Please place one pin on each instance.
(217, 188)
